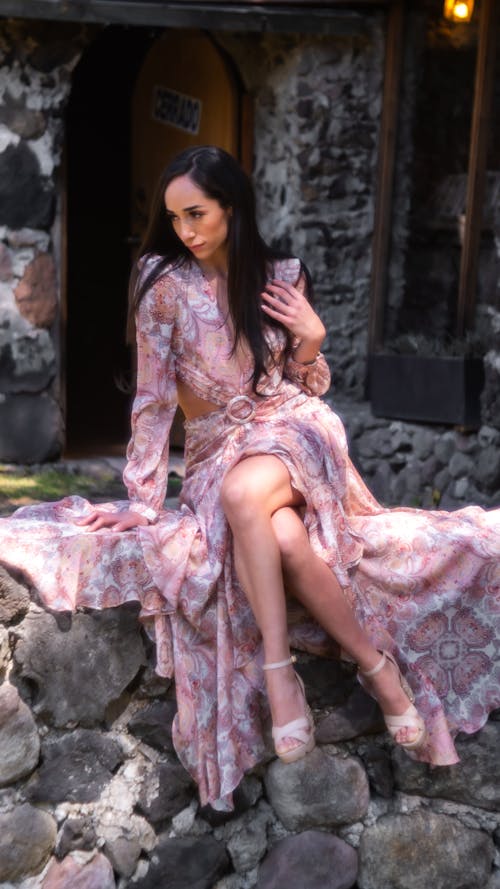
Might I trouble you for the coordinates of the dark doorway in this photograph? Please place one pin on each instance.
(98, 141)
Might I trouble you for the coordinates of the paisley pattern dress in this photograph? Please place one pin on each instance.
(425, 585)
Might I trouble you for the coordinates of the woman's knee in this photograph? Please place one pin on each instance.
(291, 537)
(239, 496)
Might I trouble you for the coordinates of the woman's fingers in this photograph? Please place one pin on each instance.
(284, 303)
(118, 521)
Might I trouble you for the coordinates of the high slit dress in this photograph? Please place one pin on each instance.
(424, 585)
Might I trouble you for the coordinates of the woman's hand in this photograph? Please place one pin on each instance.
(118, 521)
(286, 304)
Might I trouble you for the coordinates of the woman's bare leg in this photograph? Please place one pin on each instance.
(254, 494)
(312, 582)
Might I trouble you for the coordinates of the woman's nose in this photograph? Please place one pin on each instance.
(186, 230)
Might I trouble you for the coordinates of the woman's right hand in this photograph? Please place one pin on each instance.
(117, 521)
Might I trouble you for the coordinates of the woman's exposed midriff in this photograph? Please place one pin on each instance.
(191, 405)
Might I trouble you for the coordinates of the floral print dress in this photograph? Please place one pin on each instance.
(425, 585)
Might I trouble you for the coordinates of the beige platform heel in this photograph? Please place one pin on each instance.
(410, 718)
(301, 729)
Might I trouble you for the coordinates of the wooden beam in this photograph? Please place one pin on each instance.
(385, 173)
(243, 16)
(478, 159)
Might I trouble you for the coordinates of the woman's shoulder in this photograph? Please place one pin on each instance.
(287, 269)
(150, 263)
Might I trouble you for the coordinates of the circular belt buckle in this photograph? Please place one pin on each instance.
(244, 402)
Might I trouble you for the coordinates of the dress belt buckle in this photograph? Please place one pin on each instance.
(246, 403)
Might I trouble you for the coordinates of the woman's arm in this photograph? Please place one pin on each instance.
(146, 472)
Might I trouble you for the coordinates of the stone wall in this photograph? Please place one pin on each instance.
(92, 795)
(317, 112)
(35, 80)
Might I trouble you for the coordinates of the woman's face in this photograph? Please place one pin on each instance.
(198, 221)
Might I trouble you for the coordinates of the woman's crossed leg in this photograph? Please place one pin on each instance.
(270, 541)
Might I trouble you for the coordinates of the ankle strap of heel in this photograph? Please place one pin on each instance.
(291, 660)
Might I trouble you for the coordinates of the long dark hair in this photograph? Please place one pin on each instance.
(221, 178)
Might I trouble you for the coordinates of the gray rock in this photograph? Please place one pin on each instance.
(460, 465)
(168, 789)
(185, 863)
(487, 467)
(124, 853)
(244, 797)
(75, 768)
(247, 842)
(423, 443)
(494, 881)
(79, 673)
(19, 741)
(4, 650)
(377, 762)
(321, 790)
(76, 834)
(19, 415)
(445, 448)
(14, 598)
(311, 859)
(75, 874)
(27, 837)
(26, 198)
(153, 724)
(423, 850)
(358, 716)
(475, 780)
(21, 120)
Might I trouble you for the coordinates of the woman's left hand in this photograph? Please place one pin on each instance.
(284, 303)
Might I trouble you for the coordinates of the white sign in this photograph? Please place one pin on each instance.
(176, 110)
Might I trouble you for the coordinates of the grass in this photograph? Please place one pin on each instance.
(21, 486)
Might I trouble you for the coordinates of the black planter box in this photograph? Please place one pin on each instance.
(431, 389)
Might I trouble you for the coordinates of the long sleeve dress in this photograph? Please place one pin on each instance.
(424, 585)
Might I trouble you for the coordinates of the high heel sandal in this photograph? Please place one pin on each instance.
(410, 718)
(301, 729)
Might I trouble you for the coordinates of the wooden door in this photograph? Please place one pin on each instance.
(186, 94)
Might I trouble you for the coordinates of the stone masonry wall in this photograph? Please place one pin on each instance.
(317, 113)
(35, 80)
(92, 795)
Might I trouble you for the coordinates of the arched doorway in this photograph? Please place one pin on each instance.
(123, 126)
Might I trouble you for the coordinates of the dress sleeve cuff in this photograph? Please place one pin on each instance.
(147, 511)
(313, 376)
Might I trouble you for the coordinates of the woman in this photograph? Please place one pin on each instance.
(225, 328)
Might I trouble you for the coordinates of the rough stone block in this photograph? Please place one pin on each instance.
(312, 859)
(75, 873)
(422, 850)
(31, 428)
(14, 598)
(5, 261)
(185, 863)
(26, 199)
(75, 834)
(81, 671)
(27, 837)
(167, 791)
(19, 741)
(247, 841)
(75, 768)
(358, 716)
(153, 724)
(321, 790)
(475, 780)
(36, 293)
